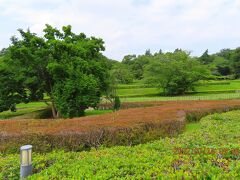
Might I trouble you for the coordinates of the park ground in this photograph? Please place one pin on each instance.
(154, 136)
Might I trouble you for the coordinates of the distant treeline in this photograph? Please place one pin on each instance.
(222, 65)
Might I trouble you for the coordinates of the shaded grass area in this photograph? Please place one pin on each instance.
(217, 157)
(23, 109)
(39, 110)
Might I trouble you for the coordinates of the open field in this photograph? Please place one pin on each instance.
(137, 89)
(210, 151)
(125, 127)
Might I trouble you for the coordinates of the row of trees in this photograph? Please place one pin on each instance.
(224, 64)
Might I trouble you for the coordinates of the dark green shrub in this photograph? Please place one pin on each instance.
(117, 103)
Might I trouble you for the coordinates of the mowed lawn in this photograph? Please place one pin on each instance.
(23, 109)
(29, 110)
(203, 88)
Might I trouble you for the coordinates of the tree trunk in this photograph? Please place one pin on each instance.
(54, 112)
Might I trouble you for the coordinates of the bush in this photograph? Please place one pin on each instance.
(117, 103)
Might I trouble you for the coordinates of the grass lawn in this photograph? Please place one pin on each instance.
(134, 92)
(204, 87)
(230, 85)
(35, 107)
(96, 112)
(23, 109)
(198, 96)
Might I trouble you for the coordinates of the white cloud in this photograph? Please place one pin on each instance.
(131, 26)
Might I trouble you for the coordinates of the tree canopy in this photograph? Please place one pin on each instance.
(67, 67)
(121, 73)
(175, 72)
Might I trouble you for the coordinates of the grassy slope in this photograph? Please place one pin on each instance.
(220, 96)
(23, 109)
(206, 90)
(148, 161)
(205, 87)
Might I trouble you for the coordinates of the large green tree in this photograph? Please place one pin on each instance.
(69, 68)
(175, 72)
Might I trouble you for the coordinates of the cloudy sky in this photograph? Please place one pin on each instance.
(132, 26)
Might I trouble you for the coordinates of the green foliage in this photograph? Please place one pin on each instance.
(11, 90)
(225, 62)
(121, 74)
(236, 62)
(73, 96)
(155, 160)
(36, 65)
(222, 66)
(175, 72)
(136, 64)
(206, 58)
(117, 103)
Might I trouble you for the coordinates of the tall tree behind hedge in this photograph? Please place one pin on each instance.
(68, 67)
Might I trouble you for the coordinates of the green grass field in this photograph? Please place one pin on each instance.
(206, 150)
(210, 96)
(23, 109)
(205, 87)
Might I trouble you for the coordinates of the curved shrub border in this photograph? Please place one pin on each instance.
(128, 127)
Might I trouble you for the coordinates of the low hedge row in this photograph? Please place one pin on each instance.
(107, 136)
(218, 155)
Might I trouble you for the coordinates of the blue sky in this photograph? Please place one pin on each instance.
(132, 26)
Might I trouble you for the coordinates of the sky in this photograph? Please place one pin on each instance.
(131, 26)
